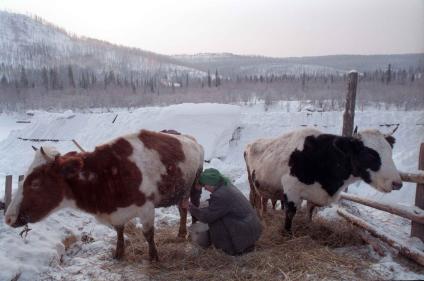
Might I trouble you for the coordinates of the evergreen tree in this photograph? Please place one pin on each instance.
(54, 79)
(45, 78)
(24, 83)
(217, 80)
(209, 79)
(71, 77)
(93, 78)
(389, 74)
(3, 81)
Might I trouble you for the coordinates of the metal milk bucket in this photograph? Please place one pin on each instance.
(199, 233)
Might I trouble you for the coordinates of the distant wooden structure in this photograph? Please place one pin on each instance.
(417, 229)
(349, 114)
(7, 192)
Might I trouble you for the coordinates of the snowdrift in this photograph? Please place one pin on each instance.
(223, 130)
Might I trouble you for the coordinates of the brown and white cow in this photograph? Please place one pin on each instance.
(125, 178)
(310, 165)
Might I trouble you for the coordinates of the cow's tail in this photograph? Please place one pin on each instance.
(195, 194)
(253, 195)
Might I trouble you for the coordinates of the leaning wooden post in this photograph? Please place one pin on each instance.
(7, 192)
(417, 229)
(403, 248)
(77, 145)
(349, 114)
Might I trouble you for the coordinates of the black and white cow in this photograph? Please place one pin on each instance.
(309, 165)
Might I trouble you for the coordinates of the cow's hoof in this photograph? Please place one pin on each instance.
(153, 257)
(118, 256)
(285, 232)
(182, 235)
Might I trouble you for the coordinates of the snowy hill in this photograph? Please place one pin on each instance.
(231, 64)
(223, 130)
(33, 43)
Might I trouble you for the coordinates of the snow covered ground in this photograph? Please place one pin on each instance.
(223, 130)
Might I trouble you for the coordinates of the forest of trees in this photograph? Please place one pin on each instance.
(74, 87)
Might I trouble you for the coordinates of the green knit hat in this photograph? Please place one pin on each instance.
(212, 177)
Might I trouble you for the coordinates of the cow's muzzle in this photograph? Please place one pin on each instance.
(21, 220)
(396, 185)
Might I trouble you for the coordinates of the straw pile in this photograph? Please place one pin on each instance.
(308, 255)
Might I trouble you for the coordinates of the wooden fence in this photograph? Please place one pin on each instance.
(416, 215)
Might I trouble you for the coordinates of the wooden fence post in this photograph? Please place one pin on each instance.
(417, 229)
(349, 114)
(7, 192)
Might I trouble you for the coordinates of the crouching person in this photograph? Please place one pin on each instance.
(234, 226)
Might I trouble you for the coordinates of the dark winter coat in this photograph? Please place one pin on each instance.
(233, 223)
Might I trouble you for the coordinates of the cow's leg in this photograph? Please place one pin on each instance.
(149, 234)
(290, 208)
(120, 243)
(195, 194)
(182, 208)
(148, 221)
(252, 198)
(264, 205)
(252, 194)
(310, 209)
(291, 198)
(274, 203)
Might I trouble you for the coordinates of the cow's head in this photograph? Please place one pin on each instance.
(371, 154)
(43, 189)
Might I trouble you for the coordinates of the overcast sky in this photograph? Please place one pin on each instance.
(264, 27)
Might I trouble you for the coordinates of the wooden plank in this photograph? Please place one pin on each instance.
(79, 146)
(349, 114)
(415, 214)
(417, 229)
(114, 119)
(404, 249)
(7, 192)
(412, 177)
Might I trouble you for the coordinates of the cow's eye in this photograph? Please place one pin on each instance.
(35, 184)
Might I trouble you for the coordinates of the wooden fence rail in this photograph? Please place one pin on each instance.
(412, 253)
(415, 214)
(412, 177)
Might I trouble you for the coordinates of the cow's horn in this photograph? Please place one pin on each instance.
(47, 157)
(397, 127)
(33, 147)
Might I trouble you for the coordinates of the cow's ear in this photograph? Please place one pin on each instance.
(70, 167)
(391, 140)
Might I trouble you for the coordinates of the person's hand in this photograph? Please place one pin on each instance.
(191, 206)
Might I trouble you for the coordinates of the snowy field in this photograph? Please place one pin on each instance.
(223, 130)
